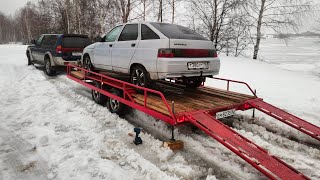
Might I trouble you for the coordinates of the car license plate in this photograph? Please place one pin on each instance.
(197, 65)
(224, 114)
(76, 54)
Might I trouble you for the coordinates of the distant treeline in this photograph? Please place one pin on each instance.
(229, 24)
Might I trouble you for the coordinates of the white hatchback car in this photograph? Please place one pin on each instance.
(151, 50)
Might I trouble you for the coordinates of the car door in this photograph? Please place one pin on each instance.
(123, 50)
(35, 51)
(43, 48)
(102, 53)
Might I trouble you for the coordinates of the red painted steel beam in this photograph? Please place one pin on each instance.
(259, 158)
(287, 118)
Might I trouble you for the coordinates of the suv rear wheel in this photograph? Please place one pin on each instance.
(29, 58)
(48, 69)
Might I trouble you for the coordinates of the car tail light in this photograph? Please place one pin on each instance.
(189, 53)
(165, 53)
(59, 49)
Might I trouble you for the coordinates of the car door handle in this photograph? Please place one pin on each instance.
(110, 45)
(133, 45)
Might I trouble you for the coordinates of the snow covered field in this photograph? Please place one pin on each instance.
(51, 129)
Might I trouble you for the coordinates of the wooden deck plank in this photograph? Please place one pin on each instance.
(77, 74)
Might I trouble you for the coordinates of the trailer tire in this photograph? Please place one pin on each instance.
(115, 106)
(97, 96)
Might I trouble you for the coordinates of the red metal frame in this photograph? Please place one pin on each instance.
(269, 165)
(234, 81)
(125, 87)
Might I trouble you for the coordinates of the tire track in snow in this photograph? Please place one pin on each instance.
(304, 158)
(82, 96)
(20, 157)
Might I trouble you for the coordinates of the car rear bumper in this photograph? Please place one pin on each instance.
(177, 67)
(59, 61)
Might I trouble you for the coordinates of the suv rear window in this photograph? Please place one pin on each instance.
(75, 42)
(174, 31)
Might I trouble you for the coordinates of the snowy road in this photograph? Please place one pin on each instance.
(51, 129)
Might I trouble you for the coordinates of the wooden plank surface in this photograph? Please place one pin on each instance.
(200, 99)
(78, 74)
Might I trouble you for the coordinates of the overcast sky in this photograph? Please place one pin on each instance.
(10, 6)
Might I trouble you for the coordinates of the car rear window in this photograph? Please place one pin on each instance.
(174, 31)
(75, 42)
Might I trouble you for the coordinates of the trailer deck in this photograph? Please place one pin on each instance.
(200, 107)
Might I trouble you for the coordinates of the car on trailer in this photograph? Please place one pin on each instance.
(151, 51)
(54, 50)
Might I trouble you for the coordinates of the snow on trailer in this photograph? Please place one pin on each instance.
(201, 107)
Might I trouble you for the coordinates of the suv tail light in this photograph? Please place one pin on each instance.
(189, 53)
(59, 49)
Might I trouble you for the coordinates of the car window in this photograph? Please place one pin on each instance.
(113, 34)
(39, 40)
(75, 42)
(129, 33)
(174, 31)
(49, 40)
(147, 33)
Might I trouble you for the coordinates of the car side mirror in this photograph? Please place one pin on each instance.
(33, 41)
(98, 39)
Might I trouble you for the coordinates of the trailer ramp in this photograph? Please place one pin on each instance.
(287, 118)
(259, 158)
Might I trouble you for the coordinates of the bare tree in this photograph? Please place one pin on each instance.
(275, 14)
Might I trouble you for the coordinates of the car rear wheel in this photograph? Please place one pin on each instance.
(48, 69)
(193, 82)
(140, 76)
(115, 106)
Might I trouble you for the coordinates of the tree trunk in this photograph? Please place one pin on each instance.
(257, 45)
(173, 9)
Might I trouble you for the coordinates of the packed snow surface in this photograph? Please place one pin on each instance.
(51, 129)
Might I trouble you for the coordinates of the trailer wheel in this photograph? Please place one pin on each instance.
(48, 69)
(97, 96)
(115, 106)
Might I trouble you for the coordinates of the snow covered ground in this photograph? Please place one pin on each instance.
(51, 129)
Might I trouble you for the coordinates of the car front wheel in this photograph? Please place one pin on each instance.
(87, 63)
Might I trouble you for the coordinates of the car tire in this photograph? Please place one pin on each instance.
(87, 63)
(139, 76)
(97, 96)
(29, 58)
(48, 68)
(115, 106)
(193, 83)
